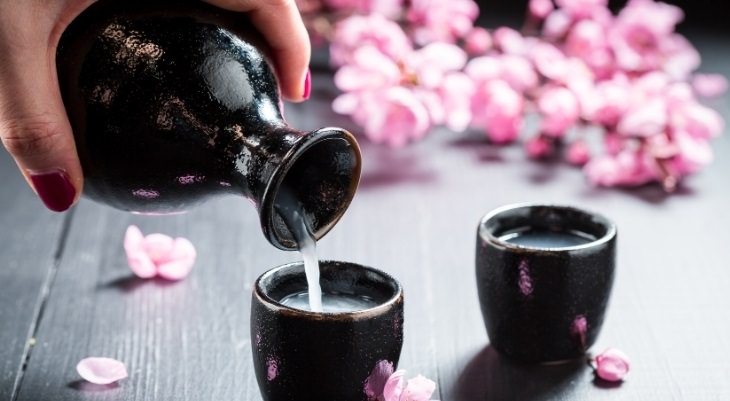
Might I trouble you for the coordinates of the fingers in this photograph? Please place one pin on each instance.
(280, 23)
(33, 123)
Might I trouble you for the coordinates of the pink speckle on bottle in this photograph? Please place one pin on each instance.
(578, 328)
(190, 179)
(146, 193)
(224, 183)
(525, 281)
(272, 368)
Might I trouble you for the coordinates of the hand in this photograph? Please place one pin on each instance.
(34, 127)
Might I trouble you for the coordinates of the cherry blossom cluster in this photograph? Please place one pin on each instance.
(615, 93)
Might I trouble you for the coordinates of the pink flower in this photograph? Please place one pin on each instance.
(441, 20)
(578, 153)
(356, 31)
(499, 110)
(510, 41)
(158, 255)
(387, 8)
(539, 147)
(709, 85)
(626, 168)
(384, 384)
(612, 364)
(478, 41)
(581, 8)
(392, 116)
(559, 110)
(646, 119)
(540, 9)
(101, 370)
(375, 383)
(637, 41)
(608, 102)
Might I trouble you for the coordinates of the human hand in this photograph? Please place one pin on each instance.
(34, 127)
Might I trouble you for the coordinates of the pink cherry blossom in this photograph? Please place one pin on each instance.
(539, 147)
(612, 365)
(709, 85)
(418, 388)
(478, 41)
(375, 383)
(581, 8)
(626, 168)
(559, 109)
(375, 29)
(441, 20)
(578, 153)
(637, 41)
(99, 370)
(158, 255)
(556, 25)
(388, 8)
(646, 119)
(510, 41)
(393, 116)
(540, 9)
(498, 109)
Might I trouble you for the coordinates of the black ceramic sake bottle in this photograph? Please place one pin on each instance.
(172, 102)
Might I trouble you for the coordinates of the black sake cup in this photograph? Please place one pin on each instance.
(303, 355)
(544, 277)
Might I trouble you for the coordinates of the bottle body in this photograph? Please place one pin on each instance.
(174, 102)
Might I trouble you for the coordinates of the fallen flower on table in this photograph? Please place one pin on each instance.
(158, 255)
(99, 370)
(385, 384)
(611, 365)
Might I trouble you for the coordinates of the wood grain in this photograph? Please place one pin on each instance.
(29, 240)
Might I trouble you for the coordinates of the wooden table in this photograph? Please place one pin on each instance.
(66, 291)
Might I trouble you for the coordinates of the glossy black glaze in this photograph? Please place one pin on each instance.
(544, 304)
(307, 356)
(172, 102)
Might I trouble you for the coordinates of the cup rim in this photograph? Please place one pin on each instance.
(489, 236)
(379, 309)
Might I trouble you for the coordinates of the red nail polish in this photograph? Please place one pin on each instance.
(54, 188)
(307, 85)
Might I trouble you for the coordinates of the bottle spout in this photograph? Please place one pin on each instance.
(317, 178)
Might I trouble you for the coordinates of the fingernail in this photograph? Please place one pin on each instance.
(307, 85)
(54, 188)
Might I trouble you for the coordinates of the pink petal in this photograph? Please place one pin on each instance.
(137, 257)
(709, 85)
(394, 386)
(375, 383)
(578, 153)
(133, 239)
(141, 264)
(180, 260)
(540, 9)
(158, 247)
(612, 365)
(418, 389)
(101, 370)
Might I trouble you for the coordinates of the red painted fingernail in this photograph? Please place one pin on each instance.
(54, 188)
(307, 85)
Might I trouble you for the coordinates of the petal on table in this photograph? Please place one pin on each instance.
(101, 370)
(180, 260)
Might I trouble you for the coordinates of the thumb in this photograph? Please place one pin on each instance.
(34, 127)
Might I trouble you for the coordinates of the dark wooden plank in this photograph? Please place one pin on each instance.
(29, 239)
(414, 216)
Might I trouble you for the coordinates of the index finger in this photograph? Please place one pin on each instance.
(281, 24)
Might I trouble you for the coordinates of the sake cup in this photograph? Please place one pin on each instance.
(303, 355)
(544, 277)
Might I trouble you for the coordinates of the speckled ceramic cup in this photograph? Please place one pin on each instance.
(302, 355)
(544, 277)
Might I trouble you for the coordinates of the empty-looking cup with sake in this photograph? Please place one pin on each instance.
(324, 349)
(544, 278)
